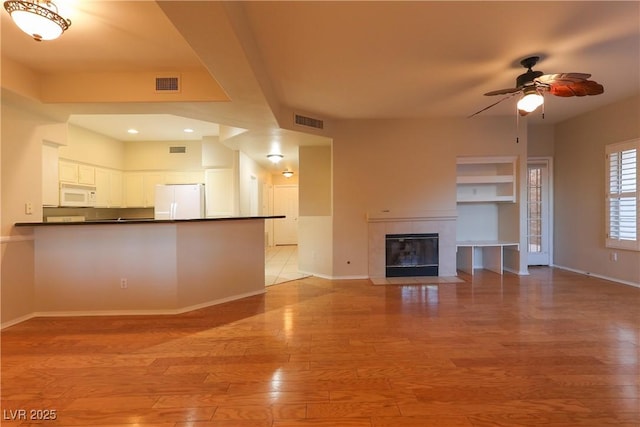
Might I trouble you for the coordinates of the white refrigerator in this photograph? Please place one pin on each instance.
(179, 201)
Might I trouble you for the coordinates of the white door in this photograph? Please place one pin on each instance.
(285, 202)
(538, 213)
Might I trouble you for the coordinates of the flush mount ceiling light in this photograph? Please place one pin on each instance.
(38, 18)
(530, 100)
(275, 157)
(287, 173)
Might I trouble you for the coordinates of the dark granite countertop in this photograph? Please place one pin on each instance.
(142, 221)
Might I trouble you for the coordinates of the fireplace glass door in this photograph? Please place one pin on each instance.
(411, 255)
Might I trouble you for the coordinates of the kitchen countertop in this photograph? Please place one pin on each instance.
(142, 221)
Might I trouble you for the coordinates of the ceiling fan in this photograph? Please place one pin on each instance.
(533, 84)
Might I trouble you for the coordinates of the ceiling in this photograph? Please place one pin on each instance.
(334, 60)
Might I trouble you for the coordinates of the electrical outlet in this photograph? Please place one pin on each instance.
(124, 284)
(28, 208)
(614, 256)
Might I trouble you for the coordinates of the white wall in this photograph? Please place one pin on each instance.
(579, 177)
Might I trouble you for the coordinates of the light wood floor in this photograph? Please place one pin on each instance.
(553, 348)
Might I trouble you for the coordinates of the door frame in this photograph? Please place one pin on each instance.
(548, 161)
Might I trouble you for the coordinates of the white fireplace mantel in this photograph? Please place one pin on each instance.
(389, 215)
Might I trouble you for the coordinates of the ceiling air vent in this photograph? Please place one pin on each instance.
(308, 121)
(168, 84)
(174, 150)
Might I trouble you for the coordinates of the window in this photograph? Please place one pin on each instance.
(622, 195)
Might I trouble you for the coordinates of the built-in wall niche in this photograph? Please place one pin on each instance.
(486, 179)
(487, 227)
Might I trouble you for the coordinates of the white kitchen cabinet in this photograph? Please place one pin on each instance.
(140, 187)
(86, 175)
(150, 180)
(115, 187)
(486, 179)
(68, 172)
(133, 184)
(108, 188)
(75, 173)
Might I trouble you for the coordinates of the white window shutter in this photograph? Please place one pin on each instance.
(622, 195)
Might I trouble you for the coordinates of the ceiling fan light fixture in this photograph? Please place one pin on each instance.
(530, 101)
(38, 18)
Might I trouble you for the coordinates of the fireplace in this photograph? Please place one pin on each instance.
(411, 255)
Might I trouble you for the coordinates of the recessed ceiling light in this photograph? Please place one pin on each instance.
(188, 130)
(132, 131)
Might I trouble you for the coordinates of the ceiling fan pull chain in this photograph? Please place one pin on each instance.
(517, 126)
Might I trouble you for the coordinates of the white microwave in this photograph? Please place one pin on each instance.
(77, 195)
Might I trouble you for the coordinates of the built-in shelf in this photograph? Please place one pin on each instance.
(487, 255)
(486, 179)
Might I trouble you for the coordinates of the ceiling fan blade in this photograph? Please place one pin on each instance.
(494, 104)
(503, 91)
(581, 88)
(562, 78)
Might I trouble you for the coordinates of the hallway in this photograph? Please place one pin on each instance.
(281, 265)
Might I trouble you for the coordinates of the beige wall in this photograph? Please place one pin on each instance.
(315, 222)
(540, 140)
(315, 181)
(579, 176)
(248, 168)
(85, 146)
(21, 177)
(154, 155)
(407, 165)
(217, 155)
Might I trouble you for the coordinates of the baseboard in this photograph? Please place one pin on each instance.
(158, 312)
(514, 271)
(598, 276)
(13, 239)
(348, 277)
(17, 320)
(330, 277)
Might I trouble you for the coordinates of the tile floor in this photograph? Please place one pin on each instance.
(281, 265)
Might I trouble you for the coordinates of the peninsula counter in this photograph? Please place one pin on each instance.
(146, 266)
